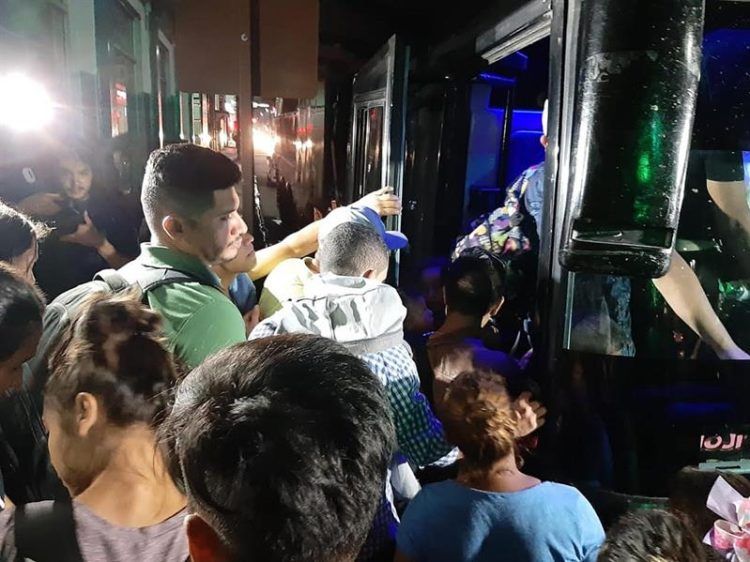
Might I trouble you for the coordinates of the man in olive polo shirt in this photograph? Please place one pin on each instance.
(191, 204)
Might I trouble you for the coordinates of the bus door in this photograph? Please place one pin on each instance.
(376, 145)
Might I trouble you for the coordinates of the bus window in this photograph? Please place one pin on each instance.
(701, 308)
(368, 161)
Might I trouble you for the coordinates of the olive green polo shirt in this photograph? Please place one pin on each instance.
(198, 319)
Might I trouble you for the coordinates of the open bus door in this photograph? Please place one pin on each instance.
(376, 144)
(638, 396)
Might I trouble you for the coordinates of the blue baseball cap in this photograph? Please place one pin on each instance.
(393, 239)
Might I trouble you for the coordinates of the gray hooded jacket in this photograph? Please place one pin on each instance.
(367, 318)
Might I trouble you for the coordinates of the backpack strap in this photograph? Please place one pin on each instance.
(153, 278)
(46, 532)
(113, 279)
(149, 278)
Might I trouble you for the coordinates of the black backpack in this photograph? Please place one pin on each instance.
(61, 311)
(43, 532)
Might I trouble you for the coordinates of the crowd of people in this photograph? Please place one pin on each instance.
(185, 417)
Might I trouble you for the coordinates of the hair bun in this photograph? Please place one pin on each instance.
(115, 349)
(120, 317)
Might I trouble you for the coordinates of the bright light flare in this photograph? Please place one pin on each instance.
(25, 105)
(264, 142)
(307, 145)
(205, 139)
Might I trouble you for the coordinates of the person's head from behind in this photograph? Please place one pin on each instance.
(111, 383)
(283, 445)
(478, 418)
(354, 250)
(21, 312)
(19, 241)
(191, 204)
(474, 285)
(652, 536)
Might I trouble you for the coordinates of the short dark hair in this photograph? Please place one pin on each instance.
(351, 249)
(21, 311)
(182, 178)
(115, 350)
(474, 282)
(17, 233)
(645, 535)
(283, 443)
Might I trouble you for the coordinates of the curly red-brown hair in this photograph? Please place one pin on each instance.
(479, 418)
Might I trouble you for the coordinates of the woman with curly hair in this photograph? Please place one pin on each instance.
(493, 511)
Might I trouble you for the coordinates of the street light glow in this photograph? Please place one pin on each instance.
(205, 138)
(24, 103)
(264, 142)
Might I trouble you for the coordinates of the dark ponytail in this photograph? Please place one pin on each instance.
(115, 351)
(21, 311)
(17, 233)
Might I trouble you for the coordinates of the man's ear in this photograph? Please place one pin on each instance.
(495, 308)
(492, 311)
(203, 542)
(173, 226)
(86, 412)
(375, 275)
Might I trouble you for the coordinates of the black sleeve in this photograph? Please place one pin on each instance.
(724, 166)
(120, 221)
(17, 184)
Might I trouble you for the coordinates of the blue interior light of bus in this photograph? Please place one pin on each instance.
(496, 78)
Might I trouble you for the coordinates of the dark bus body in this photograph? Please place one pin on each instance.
(467, 122)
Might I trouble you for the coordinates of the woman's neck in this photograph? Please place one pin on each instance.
(503, 476)
(134, 489)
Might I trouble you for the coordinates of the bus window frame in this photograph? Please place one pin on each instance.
(554, 283)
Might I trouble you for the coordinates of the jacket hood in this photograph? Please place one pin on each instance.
(365, 316)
